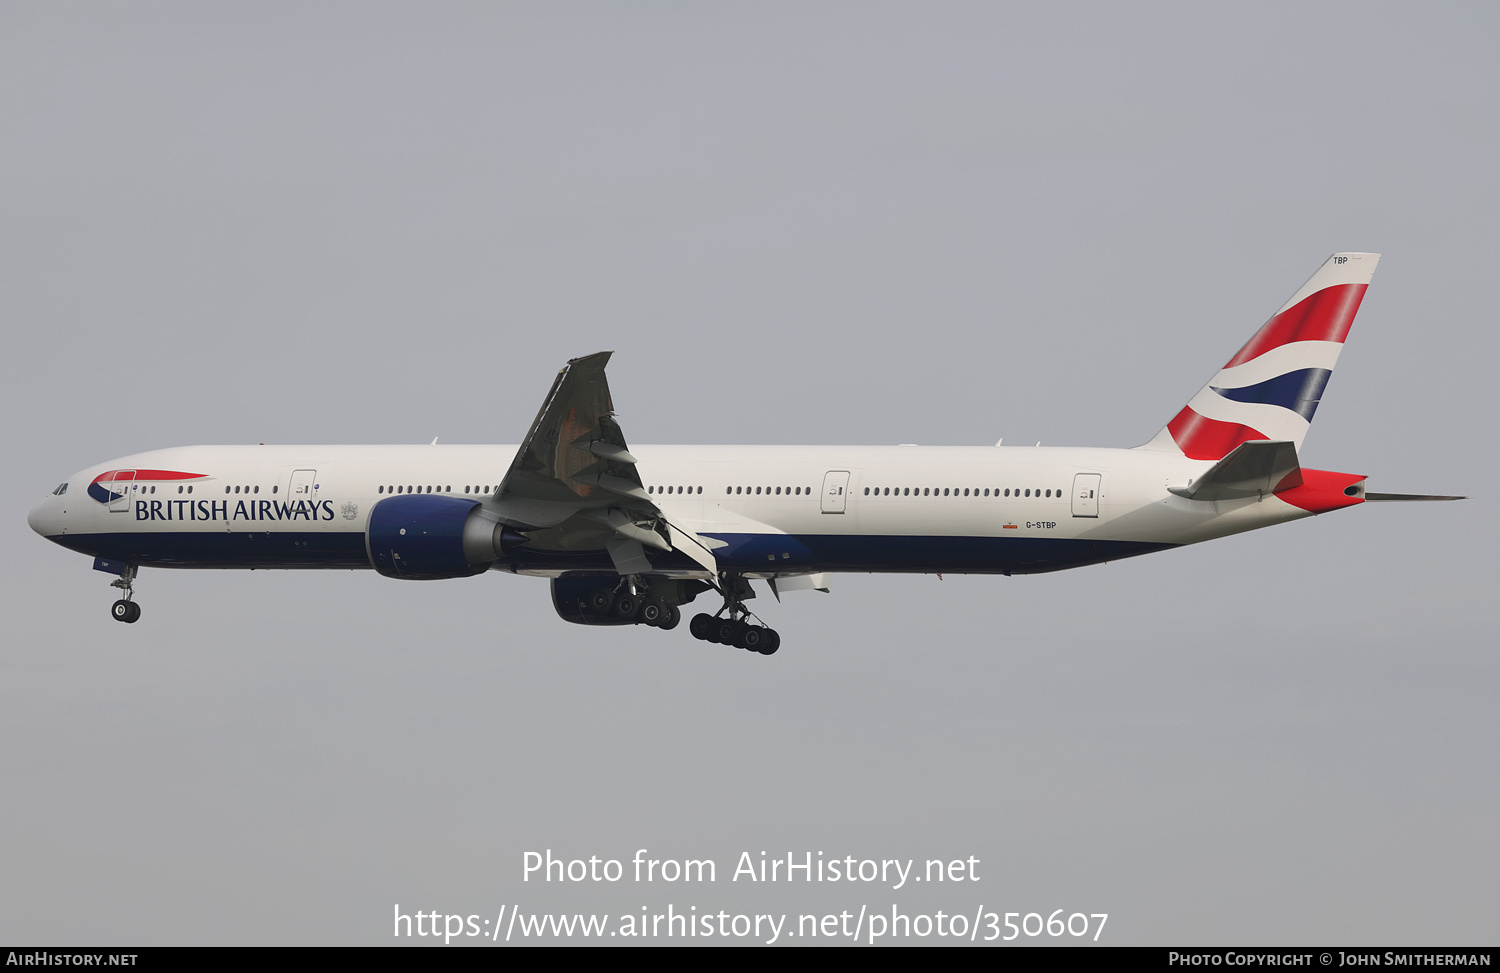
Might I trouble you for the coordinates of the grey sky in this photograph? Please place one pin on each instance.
(936, 223)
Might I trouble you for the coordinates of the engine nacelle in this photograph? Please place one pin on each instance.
(423, 537)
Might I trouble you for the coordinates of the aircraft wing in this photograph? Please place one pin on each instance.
(574, 477)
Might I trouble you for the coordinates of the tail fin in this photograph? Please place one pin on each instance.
(1271, 387)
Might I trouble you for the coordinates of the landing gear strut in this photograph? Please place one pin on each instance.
(735, 627)
(125, 610)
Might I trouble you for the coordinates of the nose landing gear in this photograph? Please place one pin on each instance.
(125, 610)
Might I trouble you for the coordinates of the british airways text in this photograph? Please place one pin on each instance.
(258, 510)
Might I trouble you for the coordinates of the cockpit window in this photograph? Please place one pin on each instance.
(60, 490)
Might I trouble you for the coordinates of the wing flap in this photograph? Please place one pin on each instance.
(694, 547)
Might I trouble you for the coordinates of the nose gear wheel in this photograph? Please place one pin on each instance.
(125, 609)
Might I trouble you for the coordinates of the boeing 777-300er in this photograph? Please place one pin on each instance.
(630, 534)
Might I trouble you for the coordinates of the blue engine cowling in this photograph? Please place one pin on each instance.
(422, 537)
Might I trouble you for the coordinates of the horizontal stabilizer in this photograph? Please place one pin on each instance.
(1386, 497)
(1253, 469)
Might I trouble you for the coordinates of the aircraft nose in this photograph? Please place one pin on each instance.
(41, 519)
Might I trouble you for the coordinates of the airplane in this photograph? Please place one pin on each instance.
(630, 534)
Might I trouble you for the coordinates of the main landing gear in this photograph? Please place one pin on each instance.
(636, 600)
(735, 628)
(125, 610)
(635, 604)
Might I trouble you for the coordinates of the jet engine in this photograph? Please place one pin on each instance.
(422, 537)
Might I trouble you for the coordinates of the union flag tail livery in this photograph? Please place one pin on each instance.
(630, 534)
(1270, 389)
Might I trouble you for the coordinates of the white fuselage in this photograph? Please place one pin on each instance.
(774, 510)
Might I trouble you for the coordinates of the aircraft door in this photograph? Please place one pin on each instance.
(304, 486)
(121, 490)
(835, 491)
(1086, 494)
